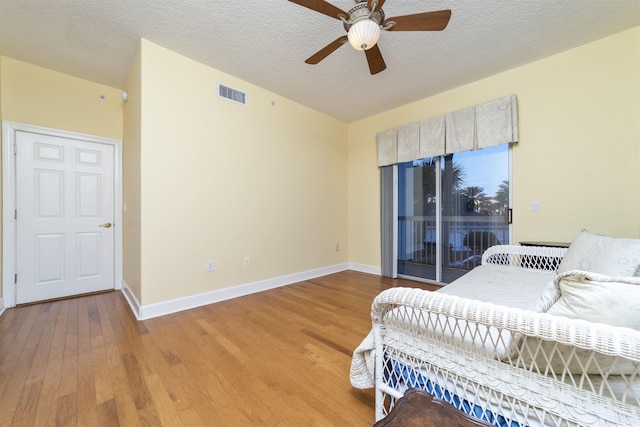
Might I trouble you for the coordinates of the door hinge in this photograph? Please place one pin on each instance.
(15, 278)
(15, 148)
(15, 214)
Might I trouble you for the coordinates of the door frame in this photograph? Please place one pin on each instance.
(9, 243)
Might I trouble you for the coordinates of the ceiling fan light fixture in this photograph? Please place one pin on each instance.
(364, 34)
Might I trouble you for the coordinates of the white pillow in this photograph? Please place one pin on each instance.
(611, 256)
(596, 298)
(549, 296)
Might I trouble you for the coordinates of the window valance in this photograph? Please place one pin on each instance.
(483, 125)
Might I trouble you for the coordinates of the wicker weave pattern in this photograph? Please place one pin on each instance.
(531, 257)
(505, 360)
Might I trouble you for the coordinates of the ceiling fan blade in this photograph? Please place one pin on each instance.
(378, 6)
(428, 21)
(327, 50)
(374, 58)
(322, 7)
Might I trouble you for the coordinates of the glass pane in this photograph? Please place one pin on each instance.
(417, 218)
(475, 195)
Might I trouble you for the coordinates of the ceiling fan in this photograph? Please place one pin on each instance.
(363, 23)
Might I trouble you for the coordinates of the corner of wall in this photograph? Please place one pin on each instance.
(131, 169)
(1, 118)
(133, 302)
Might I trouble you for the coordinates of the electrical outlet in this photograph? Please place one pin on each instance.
(210, 265)
(246, 261)
(337, 248)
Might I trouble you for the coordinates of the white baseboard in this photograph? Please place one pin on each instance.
(2, 307)
(134, 304)
(365, 268)
(143, 312)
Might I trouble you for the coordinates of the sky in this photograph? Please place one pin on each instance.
(485, 168)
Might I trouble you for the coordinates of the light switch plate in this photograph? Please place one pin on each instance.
(535, 206)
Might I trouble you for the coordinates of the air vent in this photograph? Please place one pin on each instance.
(231, 94)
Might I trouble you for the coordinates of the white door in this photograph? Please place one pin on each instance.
(64, 217)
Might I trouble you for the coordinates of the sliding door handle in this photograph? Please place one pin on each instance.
(508, 216)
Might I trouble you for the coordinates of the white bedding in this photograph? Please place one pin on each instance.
(497, 284)
(502, 285)
(362, 364)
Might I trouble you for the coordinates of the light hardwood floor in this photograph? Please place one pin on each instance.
(276, 358)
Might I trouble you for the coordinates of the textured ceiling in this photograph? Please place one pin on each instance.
(265, 42)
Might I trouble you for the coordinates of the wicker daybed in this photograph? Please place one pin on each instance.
(559, 348)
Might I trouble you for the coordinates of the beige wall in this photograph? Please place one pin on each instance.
(207, 178)
(283, 184)
(1, 201)
(131, 219)
(579, 150)
(38, 96)
(222, 181)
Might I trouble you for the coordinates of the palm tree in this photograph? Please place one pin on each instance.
(452, 176)
(452, 181)
(474, 192)
(502, 195)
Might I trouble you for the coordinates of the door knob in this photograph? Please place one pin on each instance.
(107, 225)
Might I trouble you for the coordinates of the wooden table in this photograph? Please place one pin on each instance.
(547, 244)
(417, 408)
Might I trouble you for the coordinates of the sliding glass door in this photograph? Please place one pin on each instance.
(450, 210)
(417, 218)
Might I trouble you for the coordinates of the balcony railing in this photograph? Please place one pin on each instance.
(464, 239)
